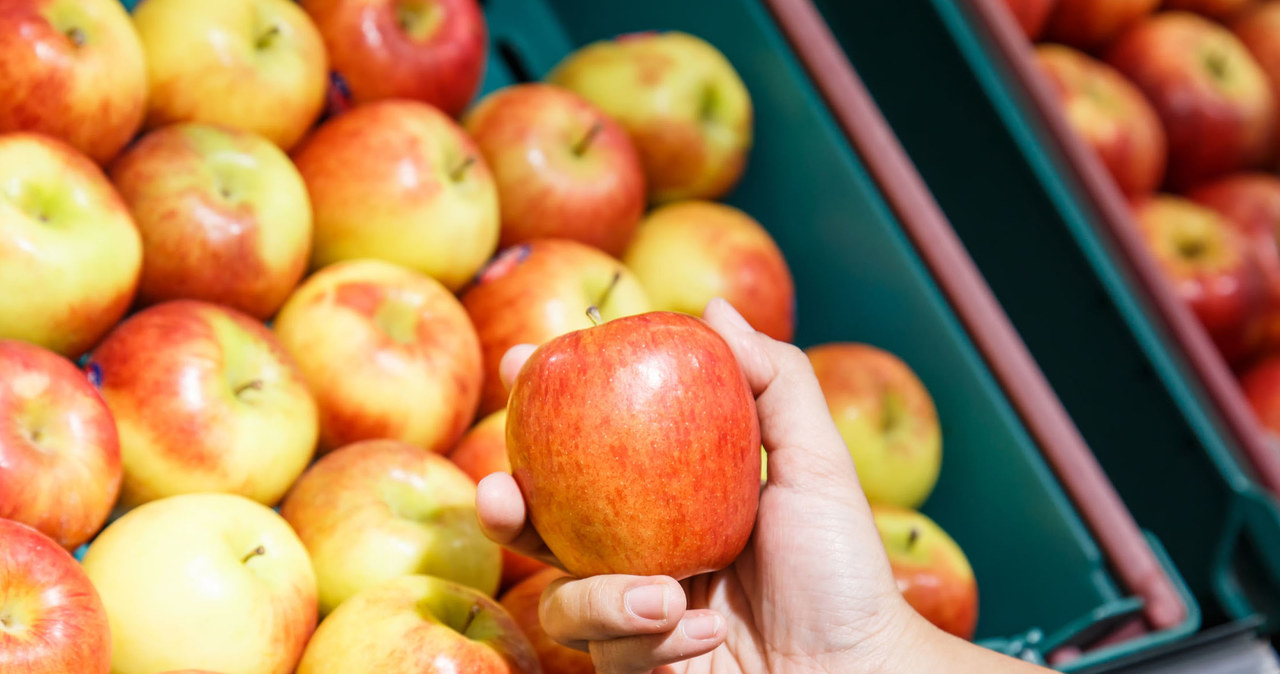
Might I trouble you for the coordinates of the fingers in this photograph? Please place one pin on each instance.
(512, 361)
(698, 633)
(504, 520)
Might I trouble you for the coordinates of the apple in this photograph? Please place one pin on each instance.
(1031, 15)
(431, 51)
(1258, 28)
(563, 168)
(535, 291)
(70, 254)
(1214, 9)
(387, 352)
(1212, 97)
(886, 417)
(932, 571)
(688, 253)
(1207, 262)
(653, 399)
(1089, 24)
(224, 217)
(482, 451)
(1111, 115)
(400, 181)
(379, 509)
(1261, 386)
(1250, 202)
(52, 620)
(57, 437)
(205, 399)
(522, 602)
(686, 108)
(419, 624)
(72, 69)
(257, 65)
(208, 581)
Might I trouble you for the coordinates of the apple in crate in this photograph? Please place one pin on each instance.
(1261, 385)
(387, 352)
(419, 624)
(1214, 9)
(52, 620)
(1111, 115)
(521, 602)
(688, 253)
(72, 69)
(1089, 24)
(656, 398)
(1258, 27)
(70, 254)
(932, 571)
(400, 181)
(685, 106)
(380, 509)
(224, 217)
(535, 291)
(257, 65)
(205, 399)
(1031, 15)
(207, 581)
(1214, 100)
(432, 51)
(563, 168)
(57, 438)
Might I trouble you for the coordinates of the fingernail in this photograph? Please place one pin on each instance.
(701, 627)
(648, 602)
(731, 314)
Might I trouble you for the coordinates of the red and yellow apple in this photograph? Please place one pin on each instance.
(1214, 9)
(932, 571)
(1089, 24)
(521, 602)
(387, 352)
(1258, 28)
(1031, 15)
(563, 168)
(1250, 202)
(205, 399)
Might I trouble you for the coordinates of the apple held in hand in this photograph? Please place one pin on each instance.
(637, 447)
(209, 581)
(52, 620)
(224, 217)
(1089, 24)
(387, 352)
(522, 603)
(257, 65)
(205, 399)
(432, 51)
(419, 624)
(72, 69)
(685, 106)
(932, 571)
(1031, 15)
(563, 168)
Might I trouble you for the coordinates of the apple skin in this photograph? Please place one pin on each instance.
(1261, 386)
(422, 625)
(223, 214)
(522, 602)
(886, 417)
(932, 571)
(656, 398)
(70, 255)
(1111, 115)
(563, 168)
(686, 108)
(532, 292)
(256, 65)
(433, 52)
(482, 451)
(1213, 99)
(205, 399)
(1031, 15)
(52, 620)
(687, 253)
(380, 509)
(1090, 24)
(400, 181)
(1258, 28)
(92, 95)
(209, 581)
(1220, 10)
(57, 437)
(387, 352)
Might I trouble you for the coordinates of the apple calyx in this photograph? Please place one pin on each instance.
(76, 35)
(1192, 249)
(256, 552)
(708, 101)
(456, 173)
(1217, 64)
(584, 143)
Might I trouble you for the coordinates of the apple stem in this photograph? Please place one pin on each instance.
(256, 552)
(471, 617)
(912, 537)
(77, 36)
(593, 311)
(594, 314)
(254, 385)
(581, 146)
(266, 38)
(456, 174)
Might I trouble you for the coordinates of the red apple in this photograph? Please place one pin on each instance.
(1251, 202)
(1089, 24)
(653, 399)
(535, 291)
(521, 602)
(1214, 9)
(1261, 385)
(73, 69)
(932, 571)
(1031, 15)
(1258, 28)
(1214, 100)
(57, 437)
(1111, 115)
(431, 51)
(563, 168)
(52, 620)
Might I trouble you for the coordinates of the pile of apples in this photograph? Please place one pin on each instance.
(259, 264)
(1180, 100)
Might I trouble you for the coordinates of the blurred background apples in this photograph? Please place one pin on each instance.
(521, 602)
(932, 571)
(1089, 24)
(1031, 15)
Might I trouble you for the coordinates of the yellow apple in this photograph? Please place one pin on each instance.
(931, 570)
